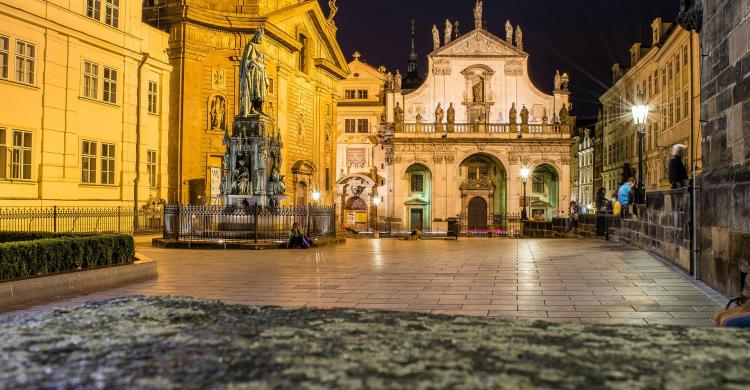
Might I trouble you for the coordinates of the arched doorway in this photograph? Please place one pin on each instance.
(355, 210)
(477, 219)
(545, 192)
(300, 197)
(482, 176)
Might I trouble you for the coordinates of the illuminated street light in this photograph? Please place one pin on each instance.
(640, 116)
(316, 196)
(525, 176)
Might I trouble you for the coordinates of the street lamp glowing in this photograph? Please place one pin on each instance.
(640, 114)
(376, 201)
(316, 196)
(525, 173)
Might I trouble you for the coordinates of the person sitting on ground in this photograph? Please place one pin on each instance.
(677, 172)
(738, 317)
(297, 239)
(416, 234)
(625, 196)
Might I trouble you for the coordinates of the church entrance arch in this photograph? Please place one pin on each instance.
(355, 210)
(477, 211)
(484, 176)
(545, 192)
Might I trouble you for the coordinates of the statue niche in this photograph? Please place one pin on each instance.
(217, 113)
(477, 91)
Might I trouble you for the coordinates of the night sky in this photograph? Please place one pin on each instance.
(582, 37)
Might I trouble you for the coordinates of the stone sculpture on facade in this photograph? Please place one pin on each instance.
(564, 115)
(398, 114)
(512, 114)
(524, 115)
(558, 80)
(508, 32)
(448, 31)
(246, 181)
(398, 80)
(439, 112)
(456, 31)
(334, 9)
(389, 84)
(435, 37)
(217, 114)
(478, 14)
(519, 38)
(451, 114)
(565, 81)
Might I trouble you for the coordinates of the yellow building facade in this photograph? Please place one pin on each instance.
(303, 61)
(666, 77)
(84, 117)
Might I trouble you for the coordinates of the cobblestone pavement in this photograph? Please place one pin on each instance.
(554, 280)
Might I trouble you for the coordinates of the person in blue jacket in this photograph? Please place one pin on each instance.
(625, 196)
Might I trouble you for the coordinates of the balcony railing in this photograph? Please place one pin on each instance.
(470, 128)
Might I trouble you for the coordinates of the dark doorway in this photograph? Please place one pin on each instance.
(196, 191)
(417, 216)
(477, 214)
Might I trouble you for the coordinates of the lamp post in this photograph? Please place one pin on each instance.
(525, 176)
(640, 116)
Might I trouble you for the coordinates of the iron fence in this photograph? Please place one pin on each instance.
(81, 219)
(498, 225)
(246, 224)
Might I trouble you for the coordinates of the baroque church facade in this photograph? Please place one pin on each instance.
(304, 62)
(454, 145)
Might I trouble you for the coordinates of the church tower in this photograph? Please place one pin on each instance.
(412, 80)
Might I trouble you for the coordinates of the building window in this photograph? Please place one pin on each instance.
(363, 94)
(108, 164)
(110, 85)
(88, 162)
(686, 104)
(93, 9)
(678, 109)
(350, 94)
(537, 184)
(664, 77)
(650, 86)
(3, 154)
(25, 61)
(350, 125)
(4, 56)
(112, 13)
(671, 113)
(669, 71)
(151, 168)
(328, 179)
(90, 80)
(20, 155)
(153, 95)
(417, 182)
(363, 126)
(685, 56)
(676, 64)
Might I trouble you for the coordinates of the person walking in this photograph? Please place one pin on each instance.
(677, 172)
(625, 196)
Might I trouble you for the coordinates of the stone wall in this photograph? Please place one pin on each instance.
(725, 196)
(661, 226)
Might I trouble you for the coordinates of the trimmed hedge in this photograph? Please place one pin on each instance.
(46, 253)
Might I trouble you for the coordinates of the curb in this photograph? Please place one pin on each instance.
(49, 288)
(174, 244)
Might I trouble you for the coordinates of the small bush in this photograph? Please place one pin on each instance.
(23, 255)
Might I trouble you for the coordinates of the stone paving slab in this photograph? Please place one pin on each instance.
(514, 278)
(182, 343)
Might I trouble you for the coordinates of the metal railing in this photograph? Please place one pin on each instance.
(81, 219)
(498, 225)
(466, 128)
(246, 224)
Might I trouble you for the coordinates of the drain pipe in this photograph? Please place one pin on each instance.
(694, 268)
(137, 179)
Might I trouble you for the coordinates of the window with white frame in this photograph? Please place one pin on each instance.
(363, 126)
(25, 62)
(112, 13)
(350, 125)
(88, 162)
(20, 155)
(94, 9)
(151, 168)
(153, 96)
(3, 154)
(4, 56)
(110, 85)
(108, 164)
(90, 80)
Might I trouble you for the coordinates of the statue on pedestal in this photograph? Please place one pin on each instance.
(333, 10)
(398, 79)
(558, 81)
(261, 164)
(524, 115)
(519, 38)
(564, 115)
(439, 114)
(253, 77)
(435, 37)
(241, 185)
(398, 114)
(451, 114)
(448, 31)
(478, 14)
(512, 114)
(565, 81)
(508, 32)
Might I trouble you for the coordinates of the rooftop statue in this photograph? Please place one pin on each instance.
(478, 14)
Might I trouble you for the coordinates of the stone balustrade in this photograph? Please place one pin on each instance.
(473, 128)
